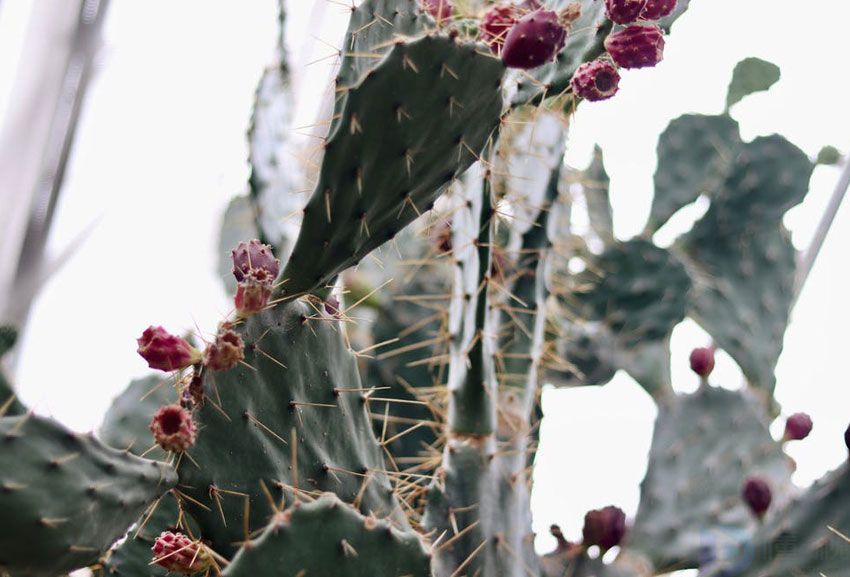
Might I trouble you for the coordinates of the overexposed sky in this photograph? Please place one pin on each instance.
(161, 150)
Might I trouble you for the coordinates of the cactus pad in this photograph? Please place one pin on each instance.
(65, 498)
(125, 425)
(329, 537)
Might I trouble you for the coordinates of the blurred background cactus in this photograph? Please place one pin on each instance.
(371, 404)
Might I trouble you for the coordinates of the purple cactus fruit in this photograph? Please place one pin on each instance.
(225, 351)
(702, 361)
(165, 351)
(439, 9)
(177, 553)
(254, 256)
(496, 23)
(624, 11)
(535, 39)
(797, 427)
(657, 9)
(332, 306)
(757, 495)
(173, 428)
(636, 46)
(253, 293)
(597, 80)
(604, 527)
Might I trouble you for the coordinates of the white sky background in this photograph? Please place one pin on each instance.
(161, 150)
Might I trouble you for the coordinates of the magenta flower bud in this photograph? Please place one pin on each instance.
(797, 427)
(535, 39)
(657, 9)
(604, 527)
(165, 351)
(636, 46)
(252, 294)
(757, 495)
(225, 351)
(624, 11)
(496, 23)
(439, 9)
(702, 361)
(173, 428)
(597, 80)
(254, 256)
(179, 554)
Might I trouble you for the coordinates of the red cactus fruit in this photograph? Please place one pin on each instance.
(439, 9)
(797, 427)
(254, 256)
(496, 23)
(253, 293)
(702, 361)
(636, 46)
(757, 495)
(332, 306)
(624, 11)
(178, 554)
(225, 351)
(604, 527)
(535, 39)
(597, 80)
(165, 351)
(657, 9)
(173, 428)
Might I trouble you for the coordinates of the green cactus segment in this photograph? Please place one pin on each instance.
(485, 528)
(741, 257)
(409, 128)
(132, 556)
(286, 419)
(695, 153)
(582, 353)
(809, 537)
(631, 297)
(9, 404)
(704, 446)
(472, 374)
(584, 43)
(125, 425)
(751, 75)
(329, 537)
(574, 562)
(8, 338)
(595, 183)
(65, 498)
(374, 27)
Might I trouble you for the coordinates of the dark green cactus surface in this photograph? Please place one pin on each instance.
(329, 537)
(65, 498)
(291, 418)
(125, 425)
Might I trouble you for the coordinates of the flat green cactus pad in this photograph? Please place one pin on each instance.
(292, 418)
(704, 446)
(65, 498)
(329, 537)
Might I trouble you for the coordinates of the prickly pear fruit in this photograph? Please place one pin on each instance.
(757, 495)
(797, 427)
(252, 293)
(702, 361)
(534, 40)
(173, 428)
(332, 306)
(496, 23)
(636, 46)
(166, 352)
(225, 351)
(657, 9)
(604, 527)
(179, 554)
(439, 9)
(254, 256)
(624, 11)
(594, 81)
